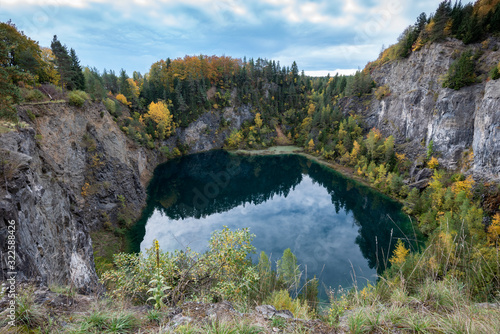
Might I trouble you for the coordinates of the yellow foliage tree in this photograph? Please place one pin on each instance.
(49, 59)
(310, 145)
(438, 189)
(494, 229)
(483, 7)
(465, 185)
(123, 99)
(134, 88)
(235, 138)
(311, 109)
(401, 157)
(433, 163)
(399, 254)
(258, 120)
(161, 116)
(356, 148)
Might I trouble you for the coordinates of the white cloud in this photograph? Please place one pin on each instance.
(324, 73)
(352, 7)
(309, 57)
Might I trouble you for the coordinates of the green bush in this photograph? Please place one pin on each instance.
(34, 95)
(223, 272)
(461, 72)
(31, 115)
(110, 105)
(495, 73)
(77, 98)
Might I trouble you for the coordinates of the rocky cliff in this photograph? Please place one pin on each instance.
(419, 110)
(72, 170)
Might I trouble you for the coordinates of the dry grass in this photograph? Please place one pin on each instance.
(438, 307)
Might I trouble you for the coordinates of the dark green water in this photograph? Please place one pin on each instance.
(333, 225)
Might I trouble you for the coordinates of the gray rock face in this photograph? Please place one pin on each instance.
(52, 241)
(486, 142)
(205, 133)
(419, 110)
(42, 189)
(70, 172)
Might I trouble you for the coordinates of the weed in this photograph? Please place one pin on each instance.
(154, 316)
(278, 322)
(357, 323)
(217, 327)
(31, 115)
(122, 323)
(27, 313)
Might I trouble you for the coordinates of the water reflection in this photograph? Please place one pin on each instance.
(331, 224)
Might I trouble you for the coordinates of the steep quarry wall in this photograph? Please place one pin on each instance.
(419, 110)
(71, 170)
(50, 161)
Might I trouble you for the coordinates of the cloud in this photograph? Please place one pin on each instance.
(312, 57)
(324, 73)
(319, 34)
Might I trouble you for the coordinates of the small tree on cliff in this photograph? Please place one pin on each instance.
(159, 119)
(461, 72)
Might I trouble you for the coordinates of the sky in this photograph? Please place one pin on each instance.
(322, 36)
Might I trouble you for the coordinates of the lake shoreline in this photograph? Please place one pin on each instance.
(346, 171)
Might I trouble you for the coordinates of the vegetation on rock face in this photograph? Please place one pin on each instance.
(470, 23)
(461, 72)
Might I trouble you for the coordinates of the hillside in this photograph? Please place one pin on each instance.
(420, 124)
(418, 110)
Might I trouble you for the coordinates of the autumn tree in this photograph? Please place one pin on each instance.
(399, 254)
(160, 118)
(494, 229)
(20, 61)
(50, 72)
(310, 145)
(121, 98)
(134, 89)
(258, 120)
(21, 52)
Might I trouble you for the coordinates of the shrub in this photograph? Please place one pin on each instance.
(382, 91)
(31, 115)
(433, 163)
(53, 92)
(223, 272)
(77, 98)
(461, 72)
(123, 99)
(110, 105)
(234, 140)
(34, 95)
(281, 300)
(495, 72)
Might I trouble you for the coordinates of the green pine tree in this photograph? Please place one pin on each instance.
(63, 63)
